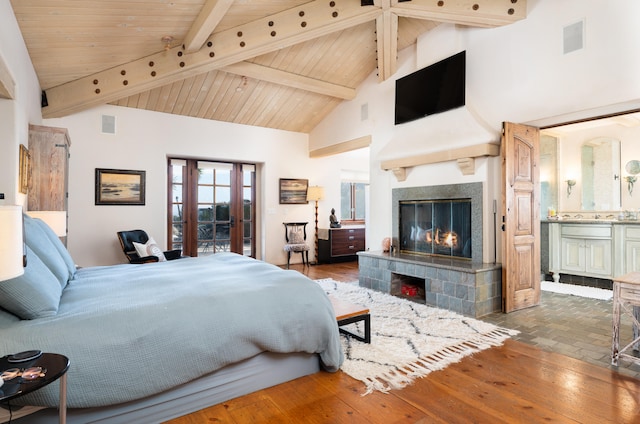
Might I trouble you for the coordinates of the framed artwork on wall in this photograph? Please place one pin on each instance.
(120, 187)
(25, 169)
(293, 191)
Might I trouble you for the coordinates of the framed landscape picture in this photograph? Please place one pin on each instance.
(25, 169)
(120, 187)
(293, 191)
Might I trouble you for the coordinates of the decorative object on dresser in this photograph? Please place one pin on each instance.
(315, 193)
(120, 187)
(340, 244)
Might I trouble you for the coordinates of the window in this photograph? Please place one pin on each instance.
(352, 203)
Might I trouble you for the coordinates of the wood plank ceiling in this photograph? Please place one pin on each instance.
(268, 63)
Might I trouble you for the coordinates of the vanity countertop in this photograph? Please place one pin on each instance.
(602, 221)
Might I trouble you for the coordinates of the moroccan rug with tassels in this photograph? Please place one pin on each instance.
(408, 339)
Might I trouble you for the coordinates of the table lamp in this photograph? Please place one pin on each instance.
(315, 193)
(12, 254)
(57, 220)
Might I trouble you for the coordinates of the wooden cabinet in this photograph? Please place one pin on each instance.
(632, 248)
(49, 152)
(340, 244)
(584, 249)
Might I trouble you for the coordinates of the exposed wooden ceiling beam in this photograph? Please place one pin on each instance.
(264, 73)
(387, 44)
(301, 23)
(210, 16)
(293, 26)
(345, 146)
(481, 13)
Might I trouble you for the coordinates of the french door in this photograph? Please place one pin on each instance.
(211, 207)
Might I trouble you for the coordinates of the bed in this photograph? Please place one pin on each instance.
(155, 341)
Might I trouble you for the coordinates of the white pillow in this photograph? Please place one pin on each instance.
(296, 236)
(150, 248)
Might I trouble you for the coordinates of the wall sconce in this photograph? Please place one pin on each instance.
(631, 179)
(570, 184)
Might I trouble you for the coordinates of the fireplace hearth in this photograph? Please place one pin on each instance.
(437, 259)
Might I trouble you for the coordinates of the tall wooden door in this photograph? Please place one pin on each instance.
(520, 217)
(211, 207)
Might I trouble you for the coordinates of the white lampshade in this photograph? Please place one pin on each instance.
(315, 193)
(57, 220)
(11, 245)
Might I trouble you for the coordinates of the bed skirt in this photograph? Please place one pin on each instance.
(262, 371)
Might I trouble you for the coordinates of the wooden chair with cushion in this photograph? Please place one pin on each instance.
(295, 235)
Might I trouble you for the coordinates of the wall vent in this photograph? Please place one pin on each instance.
(573, 37)
(108, 124)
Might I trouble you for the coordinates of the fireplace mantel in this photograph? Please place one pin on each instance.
(465, 157)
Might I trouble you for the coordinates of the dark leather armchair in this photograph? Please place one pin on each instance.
(127, 238)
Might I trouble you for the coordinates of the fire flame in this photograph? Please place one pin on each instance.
(449, 239)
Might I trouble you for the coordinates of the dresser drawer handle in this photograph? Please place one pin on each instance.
(352, 237)
(351, 247)
(352, 231)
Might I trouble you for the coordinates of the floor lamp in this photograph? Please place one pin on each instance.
(315, 193)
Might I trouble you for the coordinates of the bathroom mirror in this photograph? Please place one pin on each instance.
(600, 172)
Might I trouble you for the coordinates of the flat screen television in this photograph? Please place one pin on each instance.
(434, 89)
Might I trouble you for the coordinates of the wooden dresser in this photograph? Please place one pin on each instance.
(340, 244)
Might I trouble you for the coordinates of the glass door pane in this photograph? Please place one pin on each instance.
(213, 203)
(176, 170)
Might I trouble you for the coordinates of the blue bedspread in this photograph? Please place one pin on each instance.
(135, 330)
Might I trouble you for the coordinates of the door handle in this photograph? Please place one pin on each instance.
(232, 222)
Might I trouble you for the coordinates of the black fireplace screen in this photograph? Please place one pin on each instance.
(436, 227)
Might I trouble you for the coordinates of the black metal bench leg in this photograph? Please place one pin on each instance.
(367, 327)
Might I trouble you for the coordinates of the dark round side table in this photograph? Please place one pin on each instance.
(54, 366)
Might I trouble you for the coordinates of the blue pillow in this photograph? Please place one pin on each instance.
(55, 240)
(35, 294)
(36, 238)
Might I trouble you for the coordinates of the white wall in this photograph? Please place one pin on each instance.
(15, 114)
(515, 73)
(144, 140)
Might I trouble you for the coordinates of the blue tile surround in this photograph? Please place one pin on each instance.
(468, 288)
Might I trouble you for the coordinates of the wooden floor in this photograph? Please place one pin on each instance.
(514, 383)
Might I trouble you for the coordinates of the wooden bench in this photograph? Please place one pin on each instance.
(348, 313)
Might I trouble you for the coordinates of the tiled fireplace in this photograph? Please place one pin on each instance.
(437, 251)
